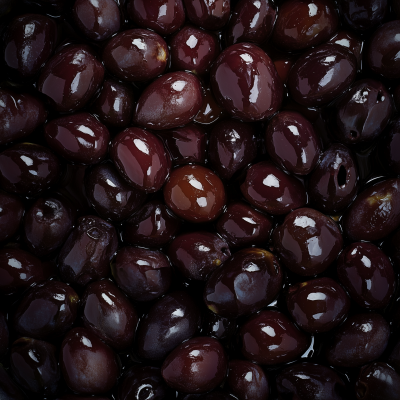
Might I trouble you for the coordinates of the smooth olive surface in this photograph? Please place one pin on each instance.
(389, 148)
(351, 42)
(11, 212)
(9, 390)
(208, 14)
(210, 111)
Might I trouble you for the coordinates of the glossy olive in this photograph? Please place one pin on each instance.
(375, 213)
(304, 23)
(248, 281)
(47, 311)
(170, 101)
(245, 83)
(350, 42)
(270, 189)
(88, 365)
(195, 193)
(208, 14)
(333, 184)
(210, 110)
(321, 74)
(9, 390)
(361, 339)
(71, 77)
(292, 142)
(34, 366)
(152, 225)
(251, 21)
(11, 212)
(28, 168)
(232, 145)
(109, 315)
(172, 320)
(318, 305)
(270, 338)
(86, 254)
(4, 336)
(389, 148)
(196, 366)
(394, 356)
(141, 159)
(307, 242)
(219, 327)
(142, 274)
(136, 55)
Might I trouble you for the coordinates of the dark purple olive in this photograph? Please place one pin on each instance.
(28, 169)
(19, 270)
(170, 101)
(307, 242)
(292, 142)
(136, 55)
(210, 110)
(20, 115)
(11, 212)
(383, 49)
(196, 366)
(245, 83)
(360, 340)
(392, 249)
(219, 327)
(362, 113)
(306, 381)
(389, 148)
(248, 281)
(163, 16)
(143, 383)
(270, 338)
(74, 397)
(378, 381)
(71, 77)
(375, 213)
(141, 159)
(47, 311)
(9, 390)
(271, 190)
(98, 20)
(115, 104)
(208, 14)
(367, 274)
(232, 145)
(153, 225)
(29, 41)
(350, 42)
(34, 366)
(88, 365)
(110, 195)
(86, 254)
(185, 145)
(333, 184)
(304, 23)
(247, 381)
(321, 74)
(142, 274)
(241, 225)
(394, 356)
(109, 315)
(4, 337)
(193, 50)
(197, 254)
(216, 395)
(362, 15)
(172, 320)
(318, 305)
(79, 138)
(251, 21)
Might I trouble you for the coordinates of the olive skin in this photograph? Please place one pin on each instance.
(86, 254)
(208, 14)
(218, 327)
(210, 110)
(306, 381)
(351, 42)
(361, 339)
(4, 336)
(196, 366)
(248, 281)
(88, 365)
(333, 184)
(324, 80)
(172, 320)
(375, 213)
(47, 311)
(318, 305)
(270, 338)
(292, 143)
(307, 242)
(388, 148)
(362, 113)
(9, 390)
(270, 189)
(367, 274)
(245, 83)
(109, 315)
(197, 254)
(11, 214)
